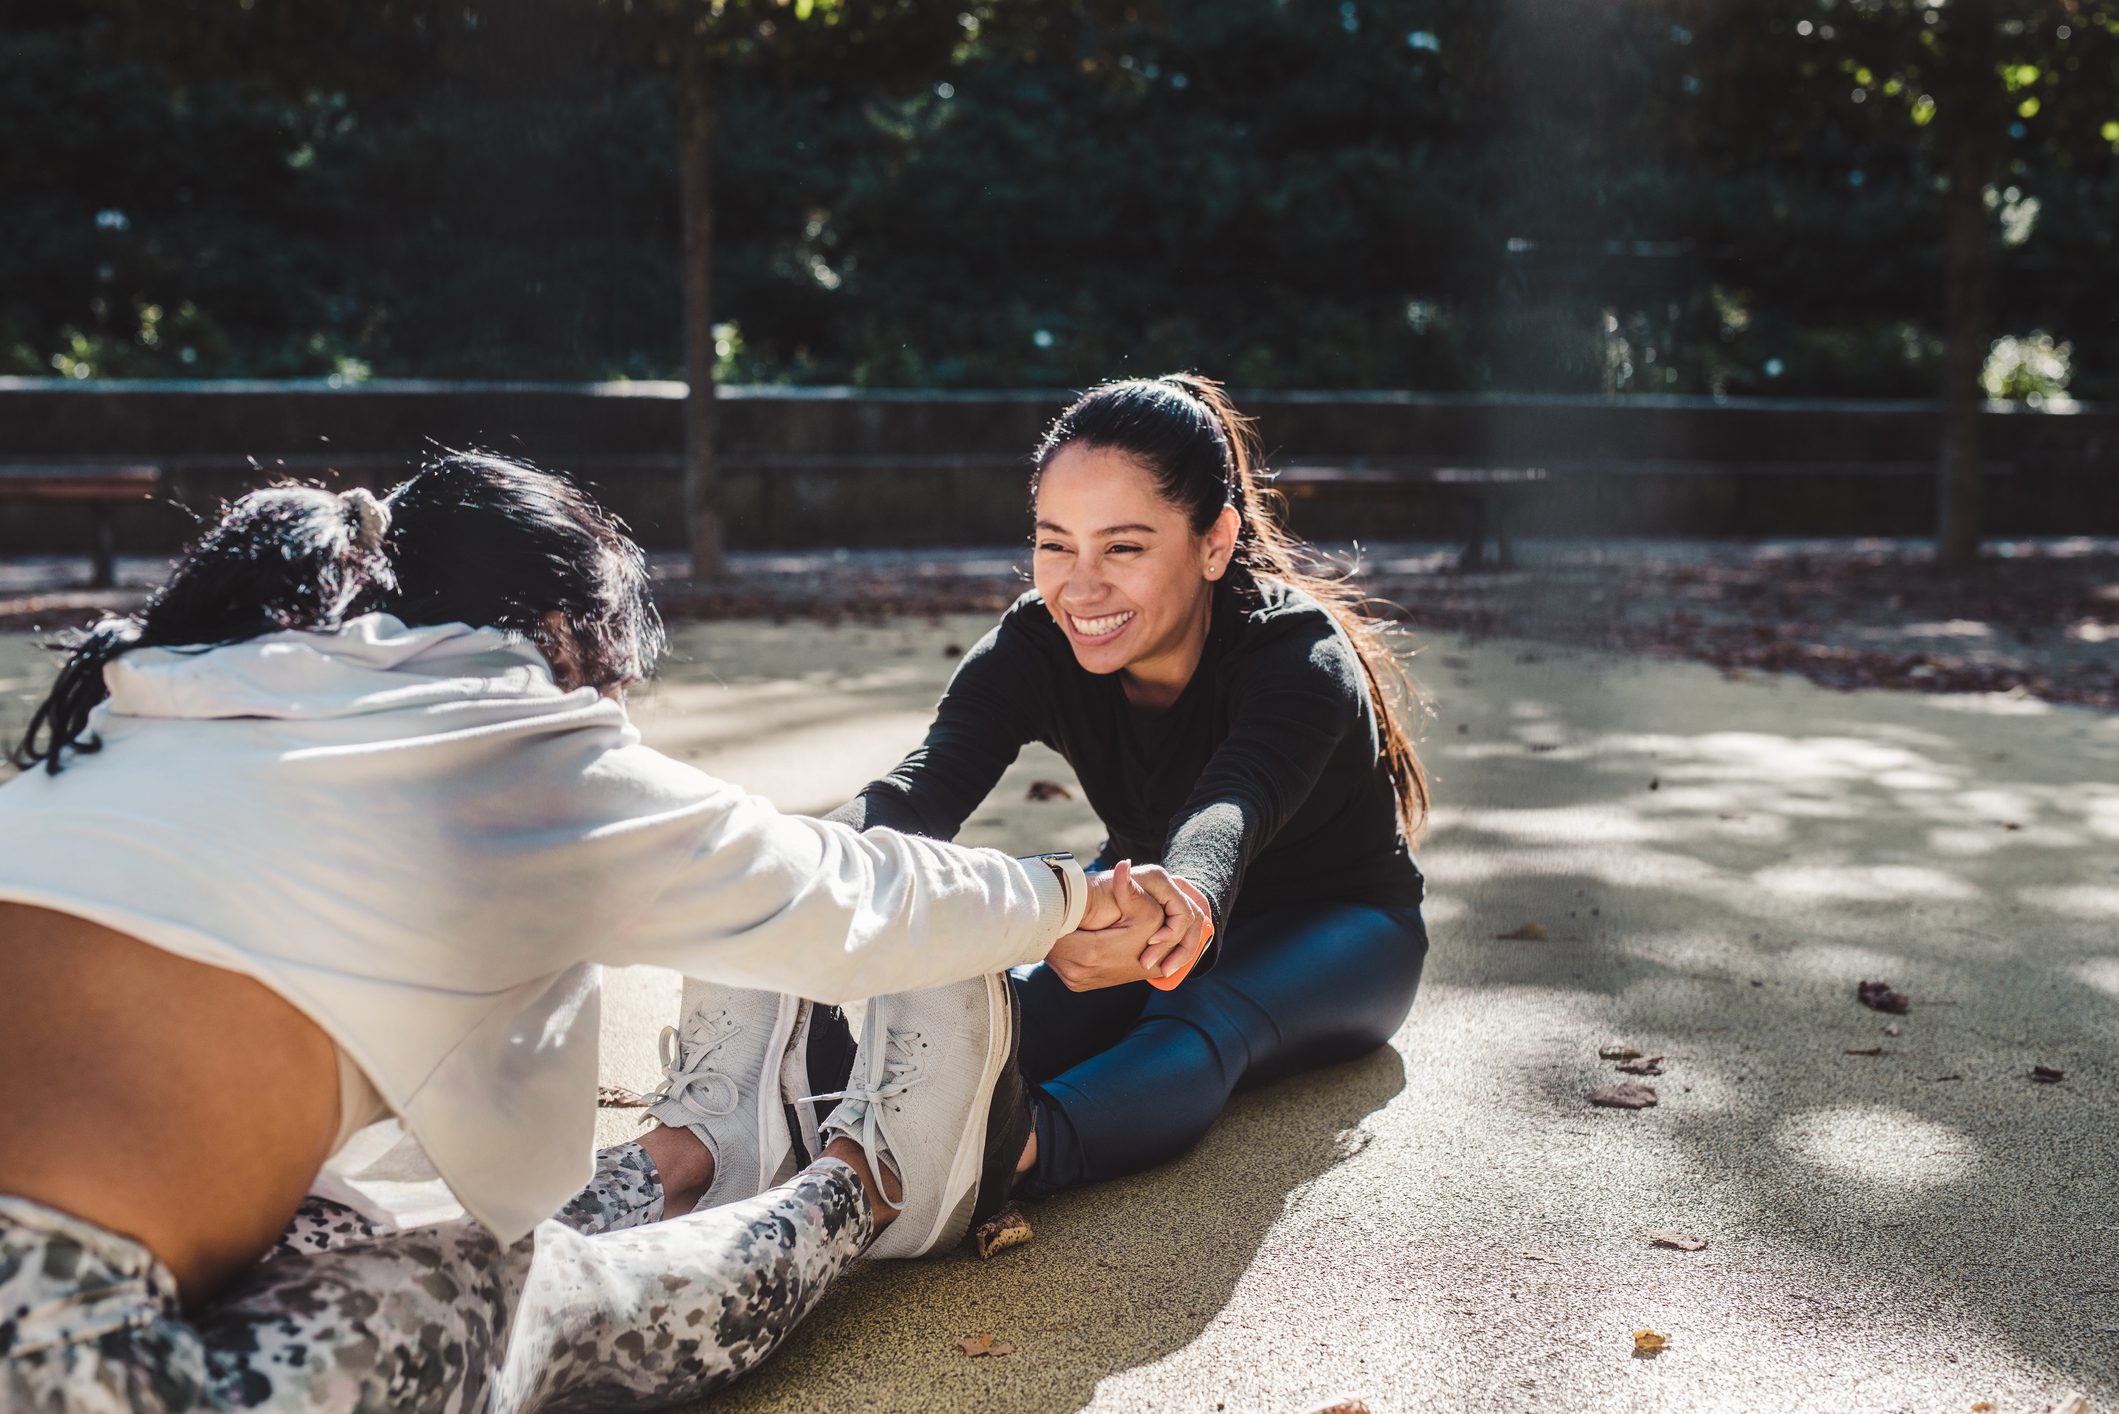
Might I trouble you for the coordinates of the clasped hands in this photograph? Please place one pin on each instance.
(1139, 923)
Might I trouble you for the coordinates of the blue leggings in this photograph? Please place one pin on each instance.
(1128, 1077)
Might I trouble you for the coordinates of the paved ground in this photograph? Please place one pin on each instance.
(1448, 1225)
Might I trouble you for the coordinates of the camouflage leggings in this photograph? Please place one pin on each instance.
(592, 1310)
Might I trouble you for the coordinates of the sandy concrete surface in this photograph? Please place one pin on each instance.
(1447, 1224)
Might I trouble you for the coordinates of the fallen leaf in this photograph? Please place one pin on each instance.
(1647, 1344)
(1617, 1050)
(1893, 1029)
(1049, 790)
(2046, 1075)
(1867, 1051)
(1985, 1406)
(984, 1344)
(1005, 1229)
(1337, 1406)
(1528, 933)
(1648, 1065)
(1670, 1237)
(2073, 1402)
(613, 1097)
(1629, 1096)
(1878, 996)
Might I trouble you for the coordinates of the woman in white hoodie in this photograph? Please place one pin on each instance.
(341, 826)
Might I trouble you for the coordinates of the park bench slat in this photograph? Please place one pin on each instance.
(98, 487)
(63, 483)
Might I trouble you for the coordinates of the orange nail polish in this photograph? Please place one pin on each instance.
(1169, 984)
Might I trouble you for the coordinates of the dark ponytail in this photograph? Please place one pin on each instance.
(473, 539)
(1206, 455)
(285, 557)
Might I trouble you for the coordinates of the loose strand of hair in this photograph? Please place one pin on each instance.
(1266, 547)
(61, 719)
(230, 585)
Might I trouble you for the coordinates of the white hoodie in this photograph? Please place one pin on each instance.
(416, 838)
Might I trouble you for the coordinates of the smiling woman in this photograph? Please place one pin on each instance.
(1230, 716)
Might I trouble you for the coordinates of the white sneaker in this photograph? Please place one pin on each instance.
(936, 1096)
(722, 1080)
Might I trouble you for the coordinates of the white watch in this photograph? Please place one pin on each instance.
(1074, 884)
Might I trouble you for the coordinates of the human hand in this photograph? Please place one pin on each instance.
(1139, 924)
(1170, 954)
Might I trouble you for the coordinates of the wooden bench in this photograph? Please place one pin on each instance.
(101, 487)
(1489, 490)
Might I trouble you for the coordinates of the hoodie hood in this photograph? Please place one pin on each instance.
(370, 664)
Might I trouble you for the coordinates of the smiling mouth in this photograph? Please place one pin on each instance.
(1100, 628)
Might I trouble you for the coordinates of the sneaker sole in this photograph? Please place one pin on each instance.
(967, 1167)
(775, 1140)
(1009, 1125)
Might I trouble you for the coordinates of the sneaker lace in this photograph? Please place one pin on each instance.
(683, 1075)
(901, 1071)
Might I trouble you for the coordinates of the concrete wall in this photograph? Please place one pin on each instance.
(818, 466)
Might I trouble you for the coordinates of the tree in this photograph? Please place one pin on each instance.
(1990, 83)
(708, 48)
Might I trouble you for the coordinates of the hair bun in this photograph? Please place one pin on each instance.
(371, 518)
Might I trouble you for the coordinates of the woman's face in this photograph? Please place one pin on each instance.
(1119, 567)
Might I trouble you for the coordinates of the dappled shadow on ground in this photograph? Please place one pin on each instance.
(1448, 1224)
(1718, 866)
(1118, 1275)
(1717, 863)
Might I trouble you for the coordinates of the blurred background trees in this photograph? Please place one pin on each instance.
(1544, 195)
(1846, 198)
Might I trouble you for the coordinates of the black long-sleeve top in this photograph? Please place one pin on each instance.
(1263, 778)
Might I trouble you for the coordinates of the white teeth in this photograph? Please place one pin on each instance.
(1097, 628)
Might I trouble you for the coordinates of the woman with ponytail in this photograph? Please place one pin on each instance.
(1231, 717)
(338, 830)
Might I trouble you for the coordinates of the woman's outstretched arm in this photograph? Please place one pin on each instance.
(996, 702)
(1296, 699)
(785, 903)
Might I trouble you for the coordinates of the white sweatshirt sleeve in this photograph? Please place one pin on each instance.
(785, 903)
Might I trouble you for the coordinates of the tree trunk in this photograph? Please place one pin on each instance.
(696, 118)
(1966, 263)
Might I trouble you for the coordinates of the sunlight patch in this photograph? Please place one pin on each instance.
(1990, 704)
(2093, 901)
(2101, 973)
(1913, 779)
(1875, 883)
(1883, 1146)
(1566, 825)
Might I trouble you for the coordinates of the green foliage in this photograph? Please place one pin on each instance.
(1656, 195)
